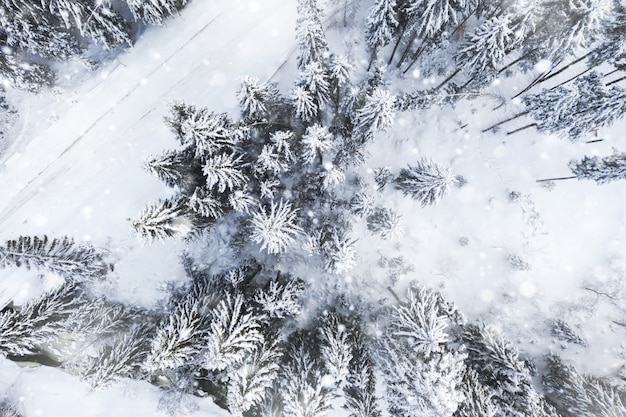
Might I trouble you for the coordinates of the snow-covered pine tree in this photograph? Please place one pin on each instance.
(573, 394)
(256, 98)
(277, 229)
(9, 408)
(316, 140)
(314, 78)
(498, 366)
(381, 26)
(204, 204)
(176, 168)
(249, 384)
(335, 348)
(338, 250)
(477, 398)
(360, 389)
(223, 171)
(303, 393)
(123, 357)
(26, 329)
(386, 222)
(102, 24)
(310, 34)
(154, 12)
(602, 171)
(23, 75)
(574, 110)
(427, 182)
(486, 47)
(377, 114)
(27, 26)
(281, 299)
(235, 333)
(63, 256)
(162, 219)
(269, 160)
(304, 104)
(423, 375)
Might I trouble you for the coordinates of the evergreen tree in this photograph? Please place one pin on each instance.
(153, 12)
(162, 219)
(63, 256)
(310, 34)
(314, 78)
(255, 98)
(316, 140)
(498, 366)
(26, 330)
(205, 205)
(122, 358)
(360, 391)
(381, 25)
(304, 104)
(377, 114)
(477, 398)
(223, 171)
(303, 393)
(276, 230)
(386, 222)
(250, 383)
(9, 408)
(25, 76)
(235, 333)
(602, 171)
(335, 349)
(340, 256)
(281, 300)
(427, 182)
(578, 395)
(175, 168)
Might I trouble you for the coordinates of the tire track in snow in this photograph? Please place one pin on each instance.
(25, 195)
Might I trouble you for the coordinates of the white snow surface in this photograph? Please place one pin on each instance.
(76, 169)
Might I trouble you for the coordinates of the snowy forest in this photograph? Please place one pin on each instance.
(308, 208)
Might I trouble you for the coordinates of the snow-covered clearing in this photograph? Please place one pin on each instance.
(506, 249)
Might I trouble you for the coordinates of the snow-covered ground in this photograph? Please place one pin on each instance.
(76, 169)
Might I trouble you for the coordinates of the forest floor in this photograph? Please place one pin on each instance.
(507, 250)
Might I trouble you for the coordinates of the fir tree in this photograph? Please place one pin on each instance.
(153, 12)
(386, 222)
(316, 140)
(381, 25)
(314, 78)
(281, 300)
(223, 171)
(275, 230)
(304, 104)
(574, 394)
(303, 393)
(360, 390)
(310, 34)
(340, 256)
(477, 398)
(123, 358)
(269, 160)
(25, 330)
(162, 219)
(335, 349)
(250, 383)
(255, 98)
(25, 76)
(175, 168)
(427, 182)
(181, 336)
(63, 256)
(602, 171)
(205, 205)
(377, 113)
(498, 366)
(234, 334)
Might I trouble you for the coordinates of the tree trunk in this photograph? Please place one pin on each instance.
(395, 47)
(407, 50)
(574, 77)
(522, 128)
(615, 81)
(574, 62)
(537, 80)
(558, 179)
(444, 82)
(506, 120)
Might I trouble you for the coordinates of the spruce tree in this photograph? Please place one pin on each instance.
(602, 171)
(427, 182)
(24, 75)
(63, 256)
(310, 34)
(256, 98)
(381, 26)
(153, 12)
(162, 219)
(275, 229)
